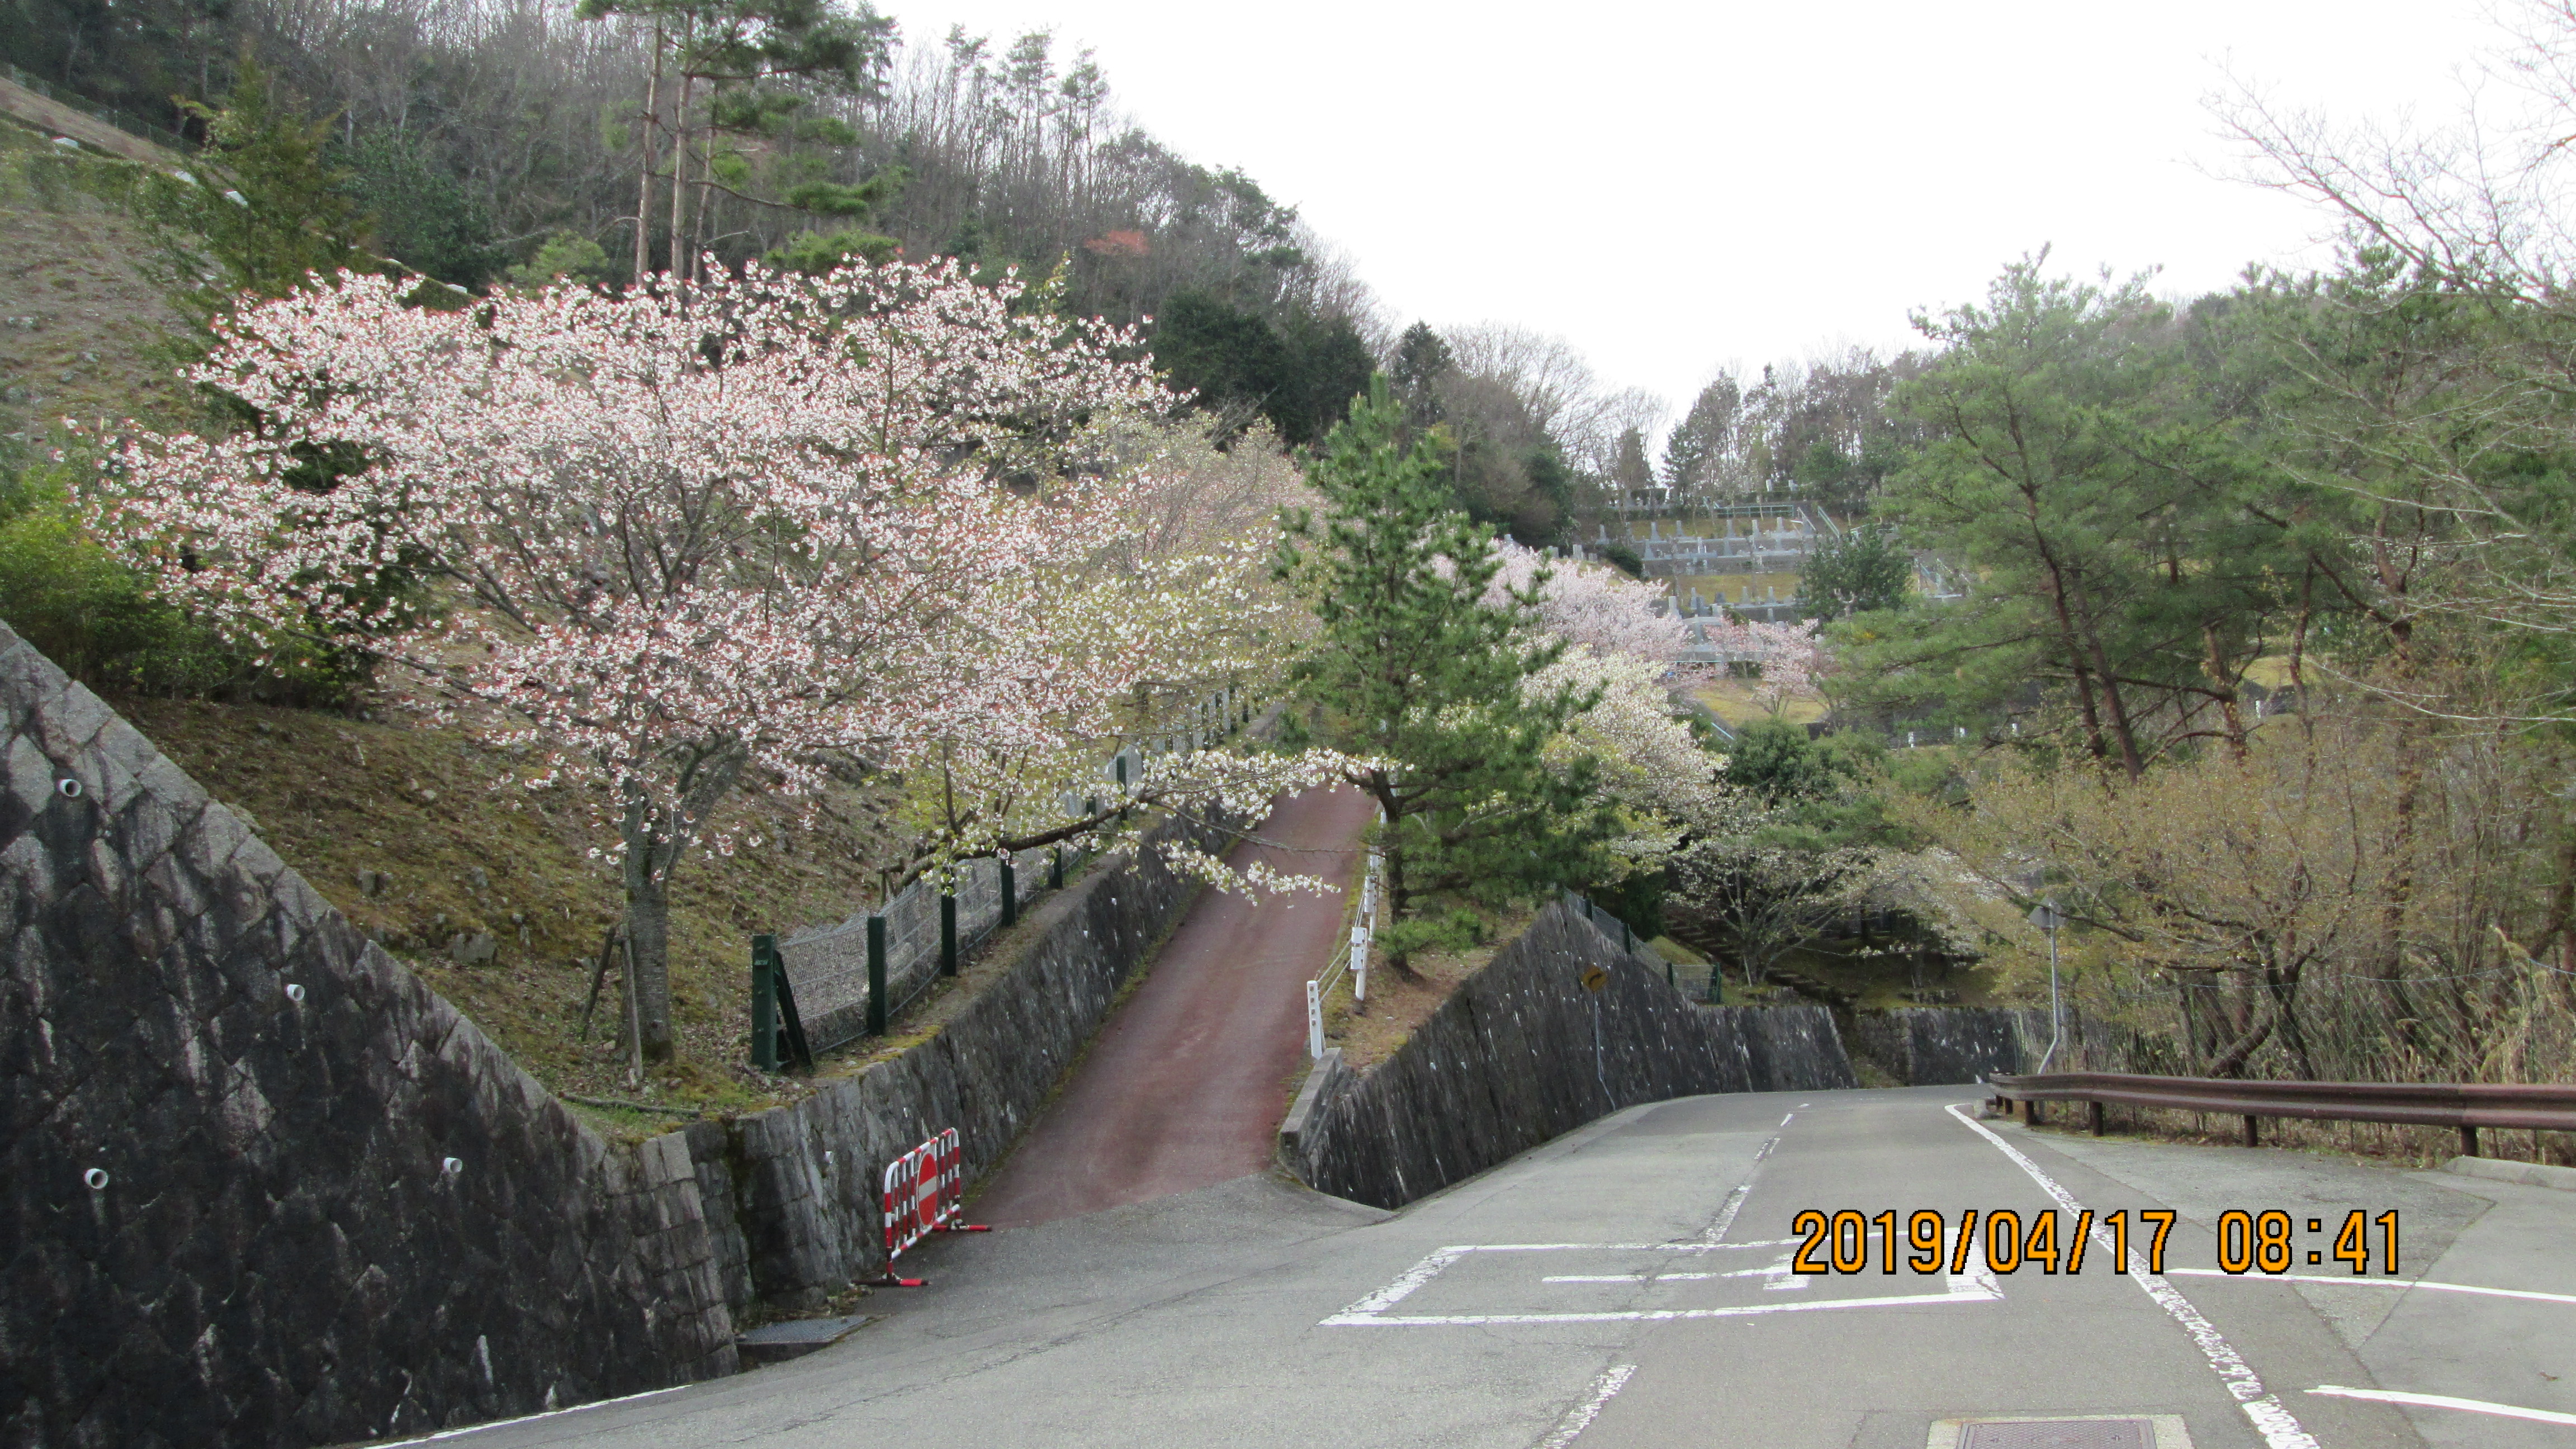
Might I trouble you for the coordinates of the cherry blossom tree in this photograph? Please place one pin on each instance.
(1786, 657)
(1595, 609)
(1667, 786)
(662, 540)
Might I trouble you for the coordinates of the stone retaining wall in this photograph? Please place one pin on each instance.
(258, 1183)
(1510, 1060)
(1935, 1045)
(793, 1192)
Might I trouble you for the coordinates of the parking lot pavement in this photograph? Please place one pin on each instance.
(1632, 1284)
(2497, 1332)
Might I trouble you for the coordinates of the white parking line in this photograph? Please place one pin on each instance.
(1580, 1417)
(2332, 1281)
(2279, 1428)
(1976, 1286)
(2445, 1401)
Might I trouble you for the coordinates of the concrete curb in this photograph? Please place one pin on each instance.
(1322, 1080)
(2529, 1174)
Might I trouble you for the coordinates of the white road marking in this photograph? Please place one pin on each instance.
(1734, 1203)
(2445, 1401)
(1580, 1417)
(1405, 1282)
(530, 1418)
(1977, 1286)
(2279, 1428)
(1661, 1277)
(2333, 1281)
(1646, 1315)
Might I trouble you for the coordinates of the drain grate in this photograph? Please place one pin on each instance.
(2059, 1434)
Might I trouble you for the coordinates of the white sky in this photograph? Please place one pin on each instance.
(1673, 188)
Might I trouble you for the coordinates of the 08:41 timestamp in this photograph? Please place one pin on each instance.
(1841, 1242)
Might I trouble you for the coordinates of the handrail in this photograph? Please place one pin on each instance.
(2465, 1106)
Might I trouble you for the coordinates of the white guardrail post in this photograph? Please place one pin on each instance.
(1362, 931)
(1314, 1021)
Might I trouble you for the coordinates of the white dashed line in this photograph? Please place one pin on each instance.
(1580, 1417)
(2279, 1428)
(1734, 1203)
(2445, 1401)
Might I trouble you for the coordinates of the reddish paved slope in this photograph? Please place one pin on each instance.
(1188, 1082)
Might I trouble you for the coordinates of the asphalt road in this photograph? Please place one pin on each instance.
(1187, 1084)
(1626, 1285)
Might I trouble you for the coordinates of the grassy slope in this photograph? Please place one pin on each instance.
(81, 330)
(337, 796)
(82, 333)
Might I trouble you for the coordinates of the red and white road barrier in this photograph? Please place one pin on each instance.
(924, 1189)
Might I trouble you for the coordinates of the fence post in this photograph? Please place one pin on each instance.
(876, 976)
(1314, 1021)
(947, 933)
(764, 1004)
(1010, 894)
(1055, 867)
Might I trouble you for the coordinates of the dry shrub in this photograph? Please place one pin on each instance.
(2362, 897)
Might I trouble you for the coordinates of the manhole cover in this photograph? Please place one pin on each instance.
(2059, 1434)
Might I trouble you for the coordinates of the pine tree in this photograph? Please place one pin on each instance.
(1863, 570)
(1421, 360)
(1433, 679)
(1706, 432)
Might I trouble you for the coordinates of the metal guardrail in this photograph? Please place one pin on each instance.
(2464, 1106)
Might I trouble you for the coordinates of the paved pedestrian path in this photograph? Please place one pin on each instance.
(1186, 1086)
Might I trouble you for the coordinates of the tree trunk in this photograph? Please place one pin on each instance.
(2231, 1062)
(648, 928)
(679, 179)
(2215, 665)
(1399, 896)
(644, 169)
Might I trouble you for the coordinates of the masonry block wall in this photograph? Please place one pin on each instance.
(1936, 1045)
(259, 1184)
(794, 1191)
(1522, 1052)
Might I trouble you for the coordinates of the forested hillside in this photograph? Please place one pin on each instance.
(2234, 624)
(495, 141)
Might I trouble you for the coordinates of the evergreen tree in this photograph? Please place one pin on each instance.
(264, 205)
(421, 214)
(1421, 359)
(1301, 376)
(1864, 569)
(2067, 474)
(1705, 433)
(1433, 679)
(1631, 469)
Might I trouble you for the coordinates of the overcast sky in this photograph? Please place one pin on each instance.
(1677, 187)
